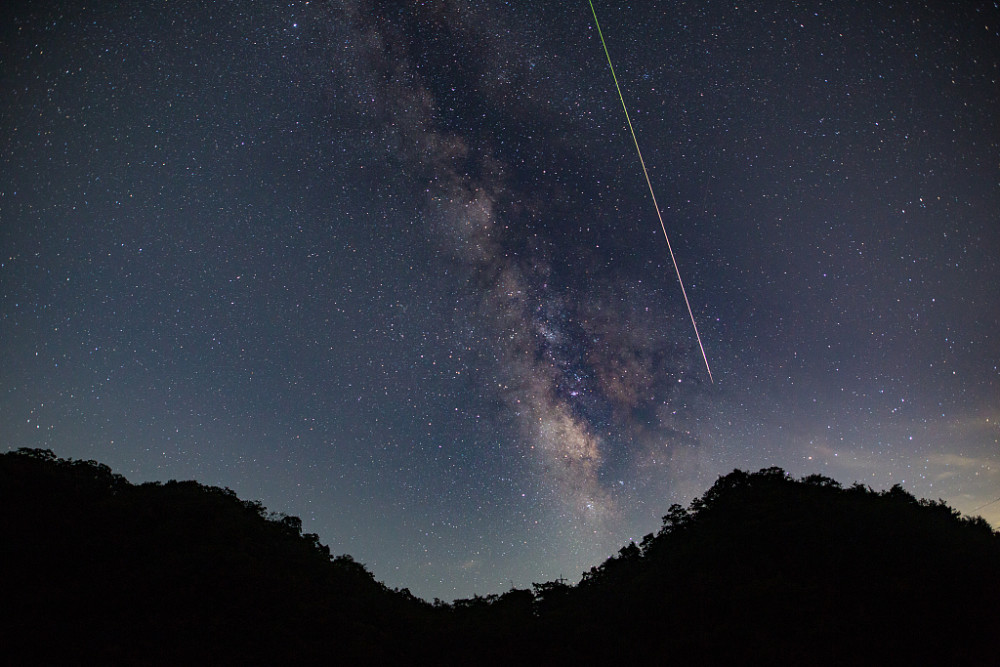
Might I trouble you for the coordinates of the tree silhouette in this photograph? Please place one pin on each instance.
(761, 568)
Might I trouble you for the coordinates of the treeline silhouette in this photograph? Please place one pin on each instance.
(762, 569)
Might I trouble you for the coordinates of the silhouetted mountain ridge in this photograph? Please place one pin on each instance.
(762, 568)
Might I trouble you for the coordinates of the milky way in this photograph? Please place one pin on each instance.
(567, 366)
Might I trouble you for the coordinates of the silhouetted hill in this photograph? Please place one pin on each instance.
(761, 569)
(177, 573)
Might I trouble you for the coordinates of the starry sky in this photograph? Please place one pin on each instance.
(393, 267)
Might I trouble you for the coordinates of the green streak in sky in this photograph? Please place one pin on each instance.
(651, 193)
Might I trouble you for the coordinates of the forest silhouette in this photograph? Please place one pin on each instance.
(761, 569)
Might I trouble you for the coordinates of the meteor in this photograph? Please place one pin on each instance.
(651, 193)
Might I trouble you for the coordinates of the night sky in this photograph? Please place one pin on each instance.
(393, 267)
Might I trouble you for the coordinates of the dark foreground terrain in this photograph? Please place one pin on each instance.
(762, 569)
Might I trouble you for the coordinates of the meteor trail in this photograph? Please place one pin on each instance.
(651, 194)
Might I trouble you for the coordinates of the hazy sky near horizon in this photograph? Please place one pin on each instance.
(393, 267)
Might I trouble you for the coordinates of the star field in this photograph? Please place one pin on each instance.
(392, 267)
